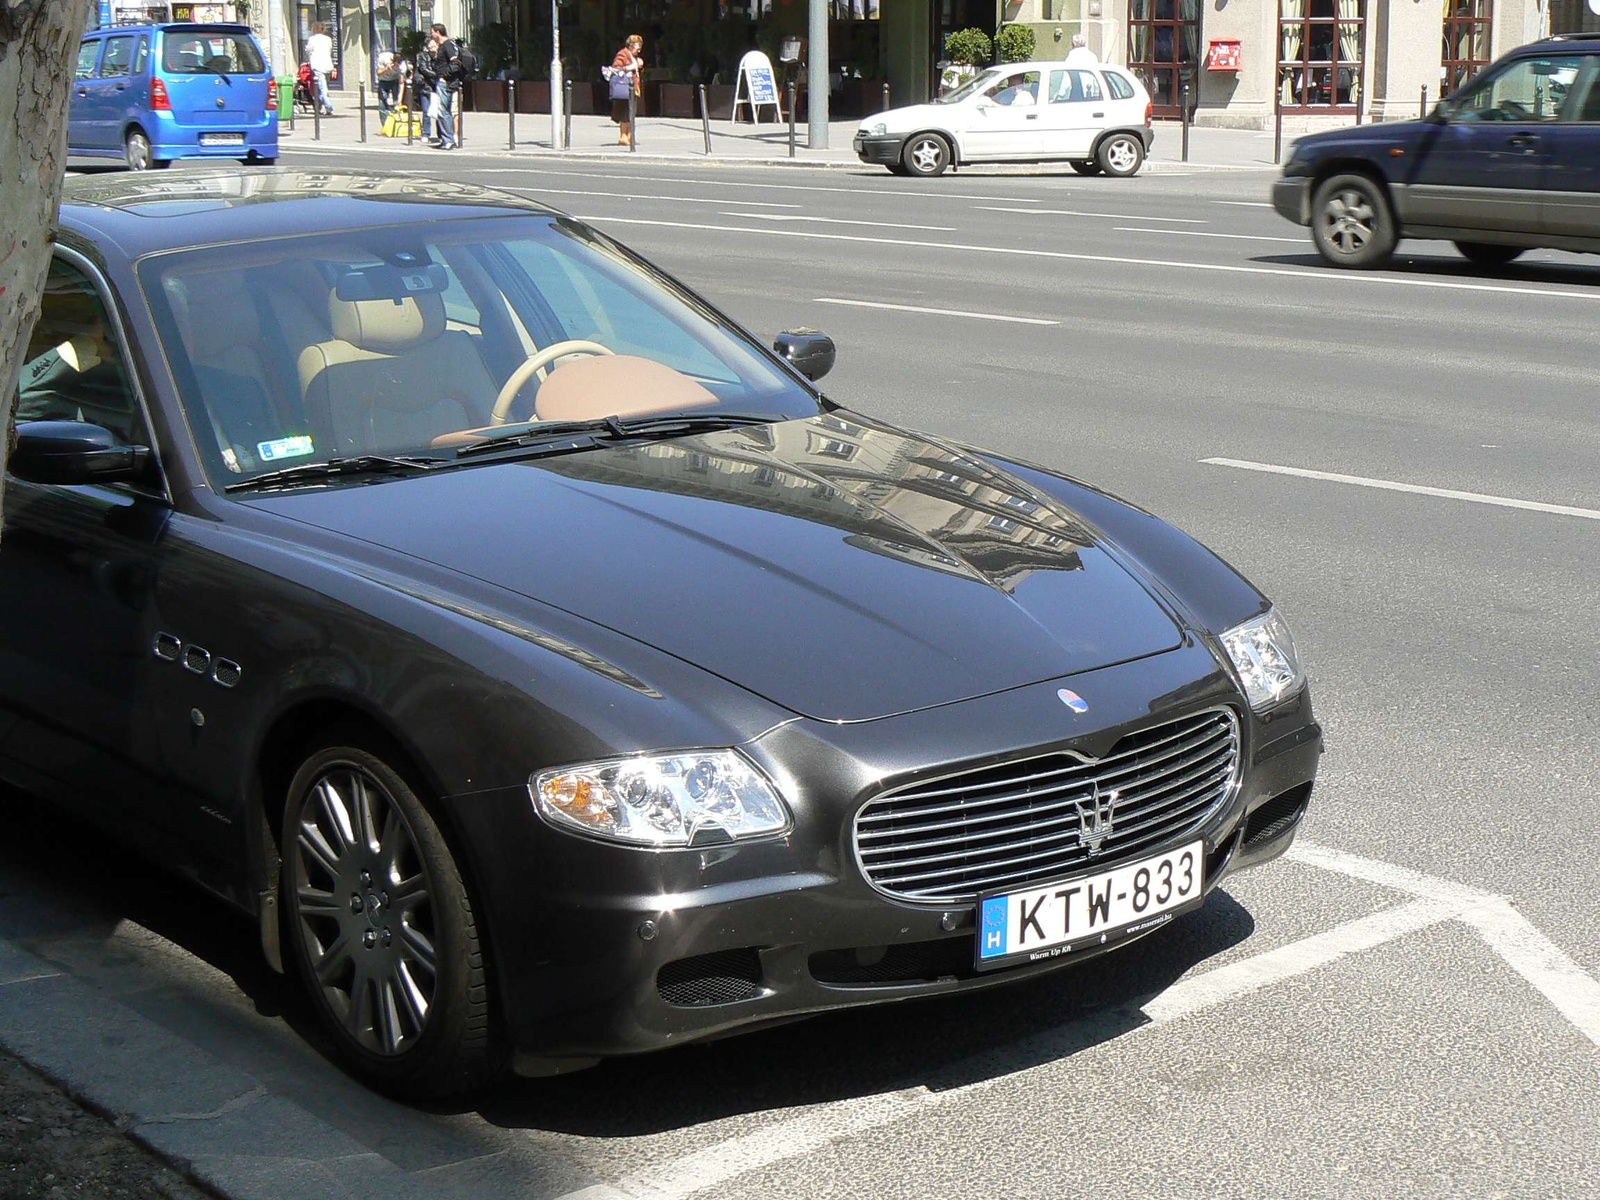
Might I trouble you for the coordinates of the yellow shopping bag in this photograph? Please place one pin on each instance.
(394, 125)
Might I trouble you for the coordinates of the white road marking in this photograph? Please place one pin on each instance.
(1537, 959)
(1329, 276)
(1388, 485)
(797, 1136)
(1072, 212)
(737, 183)
(838, 221)
(539, 191)
(1435, 901)
(1244, 203)
(1244, 237)
(938, 312)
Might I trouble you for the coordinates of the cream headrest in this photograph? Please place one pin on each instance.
(387, 326)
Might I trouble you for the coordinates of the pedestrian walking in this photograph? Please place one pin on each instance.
(447, 72)
(319, 53)
(388, 77)
(623, 79)
(1080, 55)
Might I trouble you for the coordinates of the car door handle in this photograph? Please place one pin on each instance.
(83, 91)
(1526, 142)
(1099, 114)
(1032, 116)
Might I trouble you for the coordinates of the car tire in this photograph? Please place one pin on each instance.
(1120, 155)
(381, 930)
(1351, 222)
(1489, 254)
(925, 155)
(137, 154)
(1085, 168)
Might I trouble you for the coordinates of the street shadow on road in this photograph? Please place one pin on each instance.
(1448, 266)
(72, 914)
(938, 1043)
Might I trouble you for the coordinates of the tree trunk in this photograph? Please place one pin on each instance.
(38, 50)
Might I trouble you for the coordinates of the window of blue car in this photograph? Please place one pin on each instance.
(1529, 90)
(214, 52)
(88, 56)
(398, 340)
(118, 57)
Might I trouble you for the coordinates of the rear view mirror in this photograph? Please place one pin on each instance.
(73, 452)
(809, 351)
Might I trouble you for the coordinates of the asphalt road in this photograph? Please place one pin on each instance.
(1408, 1005)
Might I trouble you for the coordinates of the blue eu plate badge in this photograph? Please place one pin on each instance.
(994, 928)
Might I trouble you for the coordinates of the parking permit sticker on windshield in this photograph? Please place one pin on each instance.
(289, 447)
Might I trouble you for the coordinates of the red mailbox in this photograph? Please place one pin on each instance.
(1222, 54)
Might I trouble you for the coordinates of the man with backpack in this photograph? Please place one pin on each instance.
(447, 69)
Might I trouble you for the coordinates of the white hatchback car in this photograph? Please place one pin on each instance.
(1096, 118)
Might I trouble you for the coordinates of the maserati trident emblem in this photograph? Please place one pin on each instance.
(1072, 700)
(1094, 820)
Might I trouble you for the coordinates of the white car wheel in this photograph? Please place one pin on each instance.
(1121, 155)
(926, 154)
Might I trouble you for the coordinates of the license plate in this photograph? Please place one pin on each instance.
(222, 139)
(1090, 909)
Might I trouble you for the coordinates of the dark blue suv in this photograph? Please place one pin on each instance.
(148, 94)
(1509, 162)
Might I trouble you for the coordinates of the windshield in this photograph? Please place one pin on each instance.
(428, 339)
(213, 52)
(976, 84)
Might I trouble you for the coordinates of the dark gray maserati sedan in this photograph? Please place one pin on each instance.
(551, 672)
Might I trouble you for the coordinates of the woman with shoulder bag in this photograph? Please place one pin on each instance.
(623, 79)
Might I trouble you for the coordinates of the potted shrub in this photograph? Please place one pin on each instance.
(1014, 43)
(965, 51)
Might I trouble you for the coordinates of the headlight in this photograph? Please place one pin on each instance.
(692, 797)
(879, 129)
(1263, 653)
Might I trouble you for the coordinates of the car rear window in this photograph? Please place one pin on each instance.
(210, 53)
(1120, 87)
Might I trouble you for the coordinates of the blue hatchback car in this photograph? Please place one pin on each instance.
(148, 94)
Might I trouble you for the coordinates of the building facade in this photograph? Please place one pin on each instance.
(1246, 63)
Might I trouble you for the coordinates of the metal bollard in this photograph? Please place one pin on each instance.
(885, 107)
(1424, 111)
(566, 121)
(316, 119)
(361, 107)
(705, 118)
(791, 118)
(1184, 112)
(459, 118)
(633, 121)
(511, 115)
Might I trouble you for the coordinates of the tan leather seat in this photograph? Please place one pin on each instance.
(392, 378)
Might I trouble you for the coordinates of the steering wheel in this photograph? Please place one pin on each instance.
(1513, 111)
(539, 359)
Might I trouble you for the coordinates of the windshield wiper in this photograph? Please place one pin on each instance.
(360, 464)
(559, 435)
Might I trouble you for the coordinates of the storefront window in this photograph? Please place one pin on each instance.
(1320, 46)
(1163, 44)
(307, 12)
(1466, 41)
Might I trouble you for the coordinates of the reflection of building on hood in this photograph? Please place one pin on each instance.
(892, 494)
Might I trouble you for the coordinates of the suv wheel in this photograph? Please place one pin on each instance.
(1120, 155)
(1488, 254)
(381, 930)
(1351, 223)
(926, 154)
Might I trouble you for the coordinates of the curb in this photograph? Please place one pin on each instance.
(686, 158)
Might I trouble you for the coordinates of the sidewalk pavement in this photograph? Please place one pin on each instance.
(683, 140)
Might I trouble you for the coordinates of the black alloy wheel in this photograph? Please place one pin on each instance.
(1120, 155)
(926, 154)
(1489, 254)
(1351, 223)
(1085, 168)
(381, 929)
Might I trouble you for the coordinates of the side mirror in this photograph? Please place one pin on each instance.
(809, 351)
(73, 452)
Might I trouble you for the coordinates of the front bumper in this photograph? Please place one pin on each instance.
(602, 950)
(1291, 196)
(882, 149)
